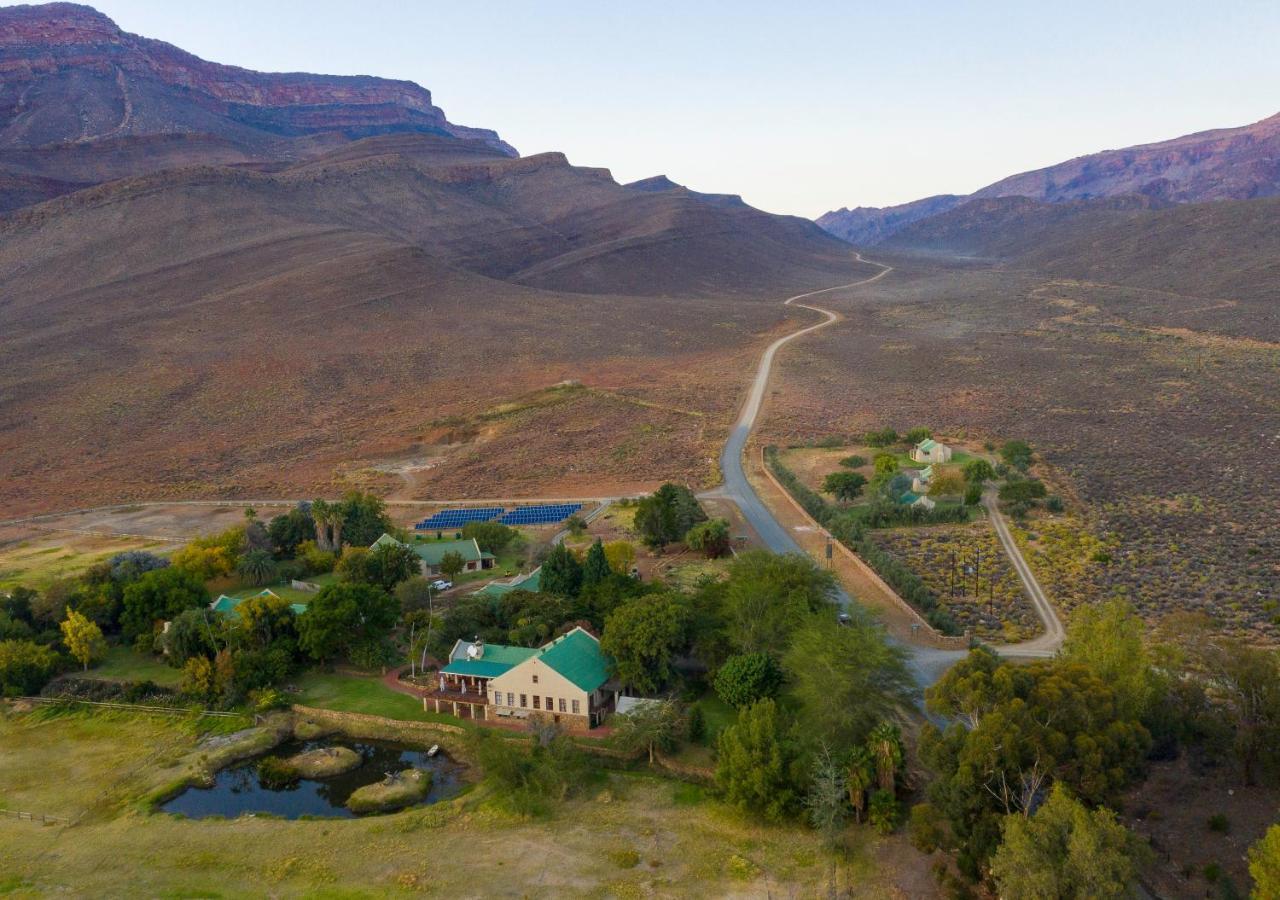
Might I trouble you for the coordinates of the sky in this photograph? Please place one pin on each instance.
(798, 106)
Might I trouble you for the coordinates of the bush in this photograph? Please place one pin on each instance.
(926, 827)
(1054, 504)
(1022, 491)
(25, 667)
(853, 461)
(973, 495)
(885, 437)
(695, 724)
(746, 678)
(276, 774)
(882, 812)
(1016, 454)
(1219, 824)
(916, 435)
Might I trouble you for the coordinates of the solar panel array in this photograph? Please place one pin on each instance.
(456, 518)
(546, 514)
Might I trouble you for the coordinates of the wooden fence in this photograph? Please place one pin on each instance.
(137, 707)
(35, 817)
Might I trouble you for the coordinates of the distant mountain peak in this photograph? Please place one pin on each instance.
(96, 81)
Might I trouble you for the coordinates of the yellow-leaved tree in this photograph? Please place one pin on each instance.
(83, 638)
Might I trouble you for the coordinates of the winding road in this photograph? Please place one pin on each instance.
(927, 663)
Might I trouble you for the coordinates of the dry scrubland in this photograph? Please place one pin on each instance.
(635, 835)
(1166, 434)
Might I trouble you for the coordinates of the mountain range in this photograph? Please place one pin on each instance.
(1224, 164)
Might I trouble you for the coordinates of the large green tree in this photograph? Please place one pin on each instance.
(651, 727)
(595, 568)
(25, 667)
(1264, 864)
(844, 485)
(768, 595)
(1016, 730)
(1065, 851)
(748, 677)
(1107, 639)
(159, 595)
(561, 572)
(759, 764)
(846, 679)
(666, 515)
(641, 637)
(710, 538)
(343, 616)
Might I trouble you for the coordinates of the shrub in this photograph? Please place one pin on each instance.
(918, 434)
(746, 678)
(973, 495)
(624, 858)
(1219, 823)
(1054, 504)
(884, 437)
(854, 461)
(1022, 491)
(926, 827)
(1016, 454)
(695, 724)
(882, 812)
(25, 667)
(276, 774)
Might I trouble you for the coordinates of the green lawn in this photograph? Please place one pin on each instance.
(362, 694)
(126, 664)
(717, 714)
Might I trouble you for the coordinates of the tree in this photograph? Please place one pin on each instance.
(1017, 729)
(768, 595)
(666, 515)
(17, 605)
(640, 637)
(258, 567)
(978, 471)
(947, 483)
(885, 746)
(561, 572)
(621, 556)
(746, 678)
(1065, 851)
(1017, 454)
(360, 519)
(826, 803)
(1264, 864)
(204, 563)
(882, 811)
(197, 678)
(886, 465)
(844, 485)
(267, 620)
(917, 434)
(83, 639)
(415, 593)
(845, 679)
(322, 516)
(133, 564)
(157, 595)
(390, 563)
(859, 777)
(492, 537)
(758, 764)
(344, 615)
(190, 633)
(596, 566)
(1107, 639)
(652, 726)
(25, 667)
(1024, 490)
(291, 529)
(853, 461)
(710, 538)
(453, 563)
(885, 437)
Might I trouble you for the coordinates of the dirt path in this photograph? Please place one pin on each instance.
(1048, 643)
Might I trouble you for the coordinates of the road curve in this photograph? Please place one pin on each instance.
(927, 663)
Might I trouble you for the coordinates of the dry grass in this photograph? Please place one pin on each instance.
(463, 847)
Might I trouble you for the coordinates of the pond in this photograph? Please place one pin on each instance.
(238, 790)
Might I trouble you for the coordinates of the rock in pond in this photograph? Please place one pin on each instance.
(393, 792)
(324, 762)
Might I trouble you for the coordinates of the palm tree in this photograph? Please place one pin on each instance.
(885, 745)
(257, 566)
(320, 516)
(859, 778)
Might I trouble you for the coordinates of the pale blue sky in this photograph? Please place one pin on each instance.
(798, 106)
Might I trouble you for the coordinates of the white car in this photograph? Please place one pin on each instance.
(441, 584)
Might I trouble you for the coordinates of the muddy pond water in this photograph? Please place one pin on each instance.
(237, 789)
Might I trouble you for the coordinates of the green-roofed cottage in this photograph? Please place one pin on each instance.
(566, 680)
(931, 451)
(227, 604)
(430, 553)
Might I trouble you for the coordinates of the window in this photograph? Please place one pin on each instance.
(562, 709)
(550, 705)
(536, 701)
(535, 679)
(524, 701)
(576, 710)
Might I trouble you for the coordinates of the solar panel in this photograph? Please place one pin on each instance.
(456, 518)
(544, 514)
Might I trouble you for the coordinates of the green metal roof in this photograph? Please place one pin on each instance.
(577, 657)
(431, 552)
(531, 582)
(927, 444)
(480, 668)
(227, 605)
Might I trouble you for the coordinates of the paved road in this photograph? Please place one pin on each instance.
(927, 663)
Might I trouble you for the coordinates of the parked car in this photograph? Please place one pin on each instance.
(441, 584)
(844, 619)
